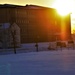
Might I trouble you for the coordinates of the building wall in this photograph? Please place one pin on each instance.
(40, 25)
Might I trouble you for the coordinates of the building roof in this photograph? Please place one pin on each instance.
(9, 5)
(36, 7)
(26, 6)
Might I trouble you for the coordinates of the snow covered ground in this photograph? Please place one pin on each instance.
(58, 62)
(30, 47)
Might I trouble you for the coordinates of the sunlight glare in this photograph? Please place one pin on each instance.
(64, 7)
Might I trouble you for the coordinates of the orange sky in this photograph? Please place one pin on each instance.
(47, 3)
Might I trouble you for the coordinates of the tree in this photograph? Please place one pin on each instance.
(14, 40)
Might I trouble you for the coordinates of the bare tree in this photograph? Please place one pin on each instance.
(14, 40)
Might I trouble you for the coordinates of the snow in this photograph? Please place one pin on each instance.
(46, 62)
(30, 47)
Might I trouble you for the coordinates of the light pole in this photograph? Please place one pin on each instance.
(36, 45)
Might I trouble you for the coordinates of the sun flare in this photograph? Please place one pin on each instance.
(64, 7)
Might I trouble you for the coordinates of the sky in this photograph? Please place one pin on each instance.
(47, 3)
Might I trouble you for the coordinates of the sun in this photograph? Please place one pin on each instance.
(64, 7)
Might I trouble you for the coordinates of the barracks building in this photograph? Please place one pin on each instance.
(37, 23)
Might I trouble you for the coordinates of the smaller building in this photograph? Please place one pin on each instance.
(9, 35)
